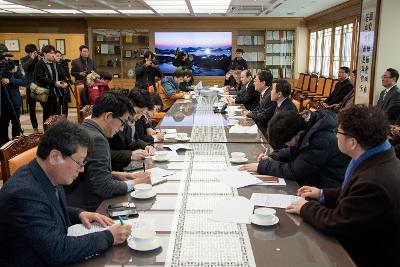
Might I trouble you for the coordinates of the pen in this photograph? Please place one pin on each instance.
(120, 220)
(144, 167)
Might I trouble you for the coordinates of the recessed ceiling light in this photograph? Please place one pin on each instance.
(136, 11)
(6, 6)
(99, 11)
(25, 11)
(210, 6)
(62, 11)
(169, 6)
(48, 5)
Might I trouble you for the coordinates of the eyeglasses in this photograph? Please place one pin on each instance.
(336, 131)
(81, 165)
(122, 122)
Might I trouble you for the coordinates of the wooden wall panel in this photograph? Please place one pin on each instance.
(343, 12)
(42, 25)
(197, 24)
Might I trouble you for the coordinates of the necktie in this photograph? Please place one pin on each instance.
(277, 109)
(384, 95)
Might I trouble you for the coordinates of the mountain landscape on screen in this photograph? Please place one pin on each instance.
(210, 52)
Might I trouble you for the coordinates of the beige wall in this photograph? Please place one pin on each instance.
(301, 60)
(388, 55)
(72, 42)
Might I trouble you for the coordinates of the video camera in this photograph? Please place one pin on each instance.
(5, 63)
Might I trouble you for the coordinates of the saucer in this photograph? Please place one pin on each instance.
(183, 139)
(242, 160)
(156, 243)
(257, 222)
(133, 194)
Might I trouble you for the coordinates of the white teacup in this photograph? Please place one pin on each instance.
(264, 215)
(182, 136)
(238, 155)
(144, 238)
(215, 85)
(186, 96)
(143, 190)
(161, 155)
(233, 121)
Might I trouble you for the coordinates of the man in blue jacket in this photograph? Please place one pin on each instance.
(11, 79)
(35, 217)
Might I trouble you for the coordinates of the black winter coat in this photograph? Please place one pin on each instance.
(316, 161)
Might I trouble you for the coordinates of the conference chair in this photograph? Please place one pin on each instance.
(53, 119)
(17, 153)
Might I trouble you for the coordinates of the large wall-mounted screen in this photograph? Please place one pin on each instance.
(209, 52)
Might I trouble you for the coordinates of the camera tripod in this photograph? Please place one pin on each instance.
(4, 91)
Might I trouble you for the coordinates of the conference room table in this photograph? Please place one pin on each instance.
(184, 203)
(187, 112)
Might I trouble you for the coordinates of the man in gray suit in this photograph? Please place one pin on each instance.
(98, 181)
(35, 217)
(389, 99)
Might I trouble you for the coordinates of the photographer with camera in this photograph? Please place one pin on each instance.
(10, 98)
(146, 71)
(28, 63)
(82, 66)
(60, 60)
(49, 76)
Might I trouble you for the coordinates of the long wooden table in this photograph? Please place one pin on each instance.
(289, 243)
(185, 113)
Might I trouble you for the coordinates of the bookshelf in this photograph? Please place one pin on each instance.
(118, 50)
(279, 52)
(253, 44)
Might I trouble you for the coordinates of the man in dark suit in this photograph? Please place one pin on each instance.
(266, 107)
(389, 99)
(280, 94)
(342, 88)
(82, 66)
(363, 214)
(98, 181)
(35, 218)
(247, 95)
(124, 145)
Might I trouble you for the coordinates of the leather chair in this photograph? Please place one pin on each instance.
(85, 112)
(53, 119)
(17, 153)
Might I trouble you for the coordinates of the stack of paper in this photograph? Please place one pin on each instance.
(169, 131)
(273, 200)
(80, 229)
(160, 172)
(238, 179)
(243, 129)
(233, 210)
(170, 136)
